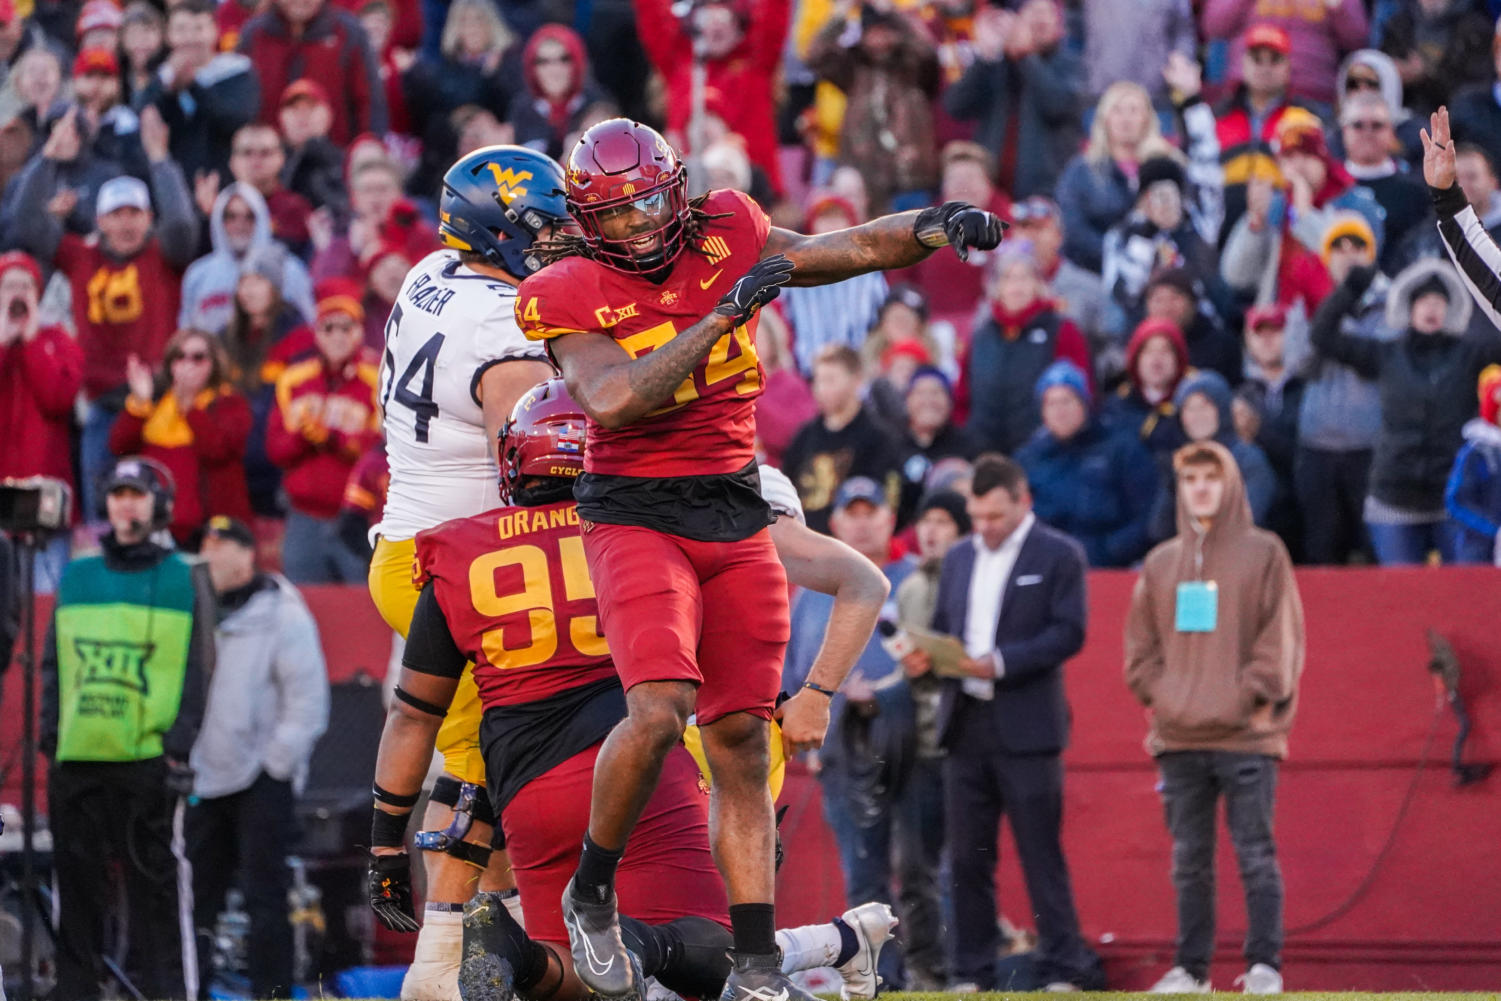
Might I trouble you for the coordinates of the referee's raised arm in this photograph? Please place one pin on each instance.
(1474, 253)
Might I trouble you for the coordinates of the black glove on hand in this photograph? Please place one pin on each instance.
(179, 778)
(1359, 278)
(756, 288)
(959, 225)
(389, 881)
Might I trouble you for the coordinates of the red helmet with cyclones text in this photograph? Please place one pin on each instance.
(542, 439)
(629, 193)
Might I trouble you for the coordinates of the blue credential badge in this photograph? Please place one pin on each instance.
(1198, 606)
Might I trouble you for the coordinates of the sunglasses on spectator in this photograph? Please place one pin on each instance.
(1266, 57)
(254, 151)
(244, 215)
(562, 60)
(1368, 125)
(196, 357)
(1361, 83)
(1032, 210)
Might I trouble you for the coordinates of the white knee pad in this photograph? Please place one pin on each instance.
(434, 973)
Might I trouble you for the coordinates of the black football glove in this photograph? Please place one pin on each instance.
(959, 225)
(179, 778)
(756, 288)
(389, 881)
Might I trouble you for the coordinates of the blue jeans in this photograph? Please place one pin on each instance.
(313, 553)
(94, 457)
(1192, 784)
(905, 833)
(1397, 545)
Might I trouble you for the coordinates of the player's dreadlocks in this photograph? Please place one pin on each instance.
(573, 245)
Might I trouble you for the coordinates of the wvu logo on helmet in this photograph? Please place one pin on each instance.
(509, 181)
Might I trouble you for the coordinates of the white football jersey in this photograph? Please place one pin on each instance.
(448, 326)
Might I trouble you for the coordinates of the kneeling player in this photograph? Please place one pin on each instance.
(510, 590)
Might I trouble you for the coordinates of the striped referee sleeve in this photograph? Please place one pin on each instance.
(1474, 253)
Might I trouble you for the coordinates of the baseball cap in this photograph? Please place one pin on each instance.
(98, 14)
(1268, 36)
(131, 472)
(859, 488)
(222, 526)
(304, 88)
(910, 296)
(1269, 315)
(123, 192)
(96, 61)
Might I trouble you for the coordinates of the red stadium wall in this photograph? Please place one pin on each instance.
(1426, 919)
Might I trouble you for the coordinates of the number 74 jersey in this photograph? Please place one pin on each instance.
(448, 326)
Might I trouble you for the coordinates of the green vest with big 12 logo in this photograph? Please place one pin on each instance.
(122, 656)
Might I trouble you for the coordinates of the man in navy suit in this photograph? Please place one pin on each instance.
(1013, 592)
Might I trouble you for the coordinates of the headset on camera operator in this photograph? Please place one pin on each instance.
(124, 668)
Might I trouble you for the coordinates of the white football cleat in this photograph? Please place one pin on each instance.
(872, 924)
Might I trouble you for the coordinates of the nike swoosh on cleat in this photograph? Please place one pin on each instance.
(764, 994)
(704, 283)
(594, 966)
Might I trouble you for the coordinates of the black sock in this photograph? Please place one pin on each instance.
(754, 928)
(848, 943)
(651, 943)
(595, 878)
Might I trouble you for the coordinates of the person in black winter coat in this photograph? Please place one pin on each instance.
(1266, 408)
(1426, 378)
(1175, 294)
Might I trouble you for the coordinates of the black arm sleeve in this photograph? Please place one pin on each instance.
(430, 645)
(178, 741)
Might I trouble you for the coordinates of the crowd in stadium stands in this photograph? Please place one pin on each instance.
(1219, 233)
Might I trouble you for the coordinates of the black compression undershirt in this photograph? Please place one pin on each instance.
(430, 646)
(719, 508)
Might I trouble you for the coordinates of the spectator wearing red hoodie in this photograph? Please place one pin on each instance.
(741, 43)
(312, 39)
(558, 90)
(1156, 361)
(125, 278)
(190, 419)
(323, 422)
(1010, 350)
(41, 370)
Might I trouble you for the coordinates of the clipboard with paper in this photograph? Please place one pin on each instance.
(946, 651)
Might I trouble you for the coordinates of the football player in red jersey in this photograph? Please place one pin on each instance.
(650, 314)
(509, 591)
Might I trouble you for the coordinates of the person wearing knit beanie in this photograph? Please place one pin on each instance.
(1068, 375)
(1347, 226)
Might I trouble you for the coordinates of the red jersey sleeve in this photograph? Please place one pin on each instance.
(563, 298)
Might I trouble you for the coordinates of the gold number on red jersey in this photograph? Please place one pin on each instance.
(718, 367)
(535, 598)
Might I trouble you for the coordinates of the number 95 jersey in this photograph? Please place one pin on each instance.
(448, 326)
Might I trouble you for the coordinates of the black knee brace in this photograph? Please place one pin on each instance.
(470, 802)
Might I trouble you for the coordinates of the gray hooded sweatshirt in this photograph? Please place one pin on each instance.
(208, 287)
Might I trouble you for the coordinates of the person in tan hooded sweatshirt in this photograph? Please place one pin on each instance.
(1214, 649)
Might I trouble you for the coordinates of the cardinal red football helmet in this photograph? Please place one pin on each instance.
(542, 439)
(629, 193)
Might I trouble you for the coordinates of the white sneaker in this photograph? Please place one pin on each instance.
(1179, 981)
(1062, 987)
(964, 987)
(872, 924)
(1260, 979)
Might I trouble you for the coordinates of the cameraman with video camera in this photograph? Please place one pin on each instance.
(124, 668)
(41, 370)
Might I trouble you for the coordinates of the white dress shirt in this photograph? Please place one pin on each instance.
(987, 589)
